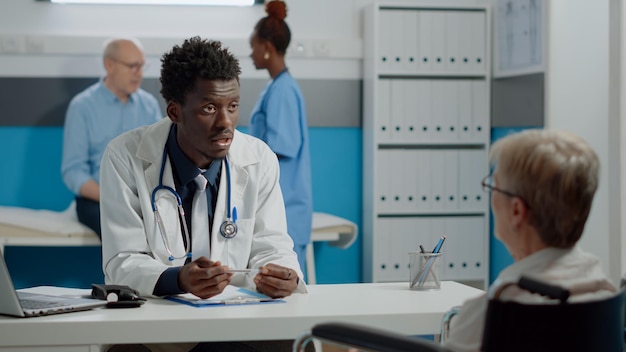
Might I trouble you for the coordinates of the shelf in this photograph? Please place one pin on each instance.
(431, 213)
(412, 6)
(431, 75)
(426, 126)
(432, 145)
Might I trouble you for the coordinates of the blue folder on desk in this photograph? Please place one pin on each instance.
(231, 295)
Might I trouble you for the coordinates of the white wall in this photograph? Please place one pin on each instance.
(304, 18)
(577, 99)
(44, 39)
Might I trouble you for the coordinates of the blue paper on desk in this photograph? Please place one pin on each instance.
(232, 295)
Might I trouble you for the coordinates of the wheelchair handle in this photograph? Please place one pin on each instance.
(544, 289)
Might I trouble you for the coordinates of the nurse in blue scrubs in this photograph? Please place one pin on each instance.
(279, 119)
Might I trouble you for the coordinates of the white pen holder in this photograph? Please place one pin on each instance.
(425, 271)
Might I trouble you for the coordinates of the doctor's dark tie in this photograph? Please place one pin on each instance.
(211, 193)
(200, 233)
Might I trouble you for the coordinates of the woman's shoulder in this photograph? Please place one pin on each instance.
(285, 81)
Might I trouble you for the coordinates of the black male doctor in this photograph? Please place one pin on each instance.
(157, 248)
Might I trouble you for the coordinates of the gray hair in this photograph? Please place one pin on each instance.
(556, 174)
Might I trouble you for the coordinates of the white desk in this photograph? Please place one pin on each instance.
(389, 305)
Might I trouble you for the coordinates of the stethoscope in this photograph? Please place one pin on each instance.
(228, 228)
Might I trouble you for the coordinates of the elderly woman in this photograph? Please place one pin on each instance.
(542, 185)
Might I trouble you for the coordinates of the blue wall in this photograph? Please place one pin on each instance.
(31, 175)
(31, 178)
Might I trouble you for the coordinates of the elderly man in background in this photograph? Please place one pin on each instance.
(113, 105)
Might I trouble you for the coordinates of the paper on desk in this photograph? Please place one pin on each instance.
(232, 295)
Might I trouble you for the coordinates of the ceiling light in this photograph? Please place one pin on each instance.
(161, 2)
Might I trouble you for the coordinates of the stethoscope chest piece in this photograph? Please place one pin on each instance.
(228, 229)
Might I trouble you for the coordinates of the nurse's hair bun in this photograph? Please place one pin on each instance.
(276, 9)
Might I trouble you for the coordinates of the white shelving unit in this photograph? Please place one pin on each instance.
(425, 138)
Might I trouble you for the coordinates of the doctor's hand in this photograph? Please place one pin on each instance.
(276, 281)
(203, 277)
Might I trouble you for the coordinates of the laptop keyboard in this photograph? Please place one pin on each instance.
(34, 304)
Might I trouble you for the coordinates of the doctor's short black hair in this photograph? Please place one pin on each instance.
(196, 58)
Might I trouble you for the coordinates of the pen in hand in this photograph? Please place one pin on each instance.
(252, 271)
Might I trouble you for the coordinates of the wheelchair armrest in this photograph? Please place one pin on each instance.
(372, 338)
(446, 321)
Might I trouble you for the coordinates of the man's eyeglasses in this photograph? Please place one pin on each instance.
(488, 186)
(135, 67)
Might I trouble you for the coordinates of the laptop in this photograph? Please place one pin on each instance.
(24, 304)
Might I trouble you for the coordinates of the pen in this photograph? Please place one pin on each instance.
(415, 278)
(439, 244)
(244, 270)
(426, 270)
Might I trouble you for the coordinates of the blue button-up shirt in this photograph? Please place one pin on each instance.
(94, 117)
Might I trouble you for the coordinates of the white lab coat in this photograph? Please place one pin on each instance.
(133, 252)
